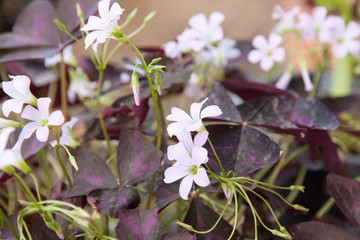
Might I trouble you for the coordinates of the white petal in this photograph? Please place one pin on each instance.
(215, 19)
(283, 81)
(185, 186)
(275, 40)
(279, 54)
(103, 7)
(186, 139)
(198, 21)
(178, 115)
(259, 42)
(174, 173)
(4, 136)
(266, 63)
(339, 50)
(195, 109)
(8, 158)
(201, 138)
(199, 155)
(319, 13)
(22, 84)
(43, 106)
(201, 178)
(179, 153)
(42, 133)
(176, 127)
(56, 118)
(31, 113)
(136, 93)
(195, 126)
(115, 12)
(12, 105)
(90, 38)
(28, 130)
(211, 111)
(94, 23)
(10, 90)
(255, 56)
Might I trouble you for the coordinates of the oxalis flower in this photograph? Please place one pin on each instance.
(11, 157)
(19, 89)
(67, 137)
(41, 120)
(190, 123)
(103, 27)
(189, 156)
(267, 52)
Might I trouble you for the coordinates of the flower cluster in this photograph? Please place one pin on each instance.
(189, 154)
(36, 110)
(205, 40)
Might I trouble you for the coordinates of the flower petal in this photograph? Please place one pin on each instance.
(42, 133)
(195, 109)
(198, 21)
(201, 178)
(179, 153)
(103, 7)
(185, 186)
(211, 111)
(12, 105)
(90, 38)
(201, 138)
(43, 106)
(186, 139)
(199, 155)
(215, 19)
(174, 173)
(275, 40)
(31, 113)
(176, 127)
(28, 130)
(4, 136)
(266, 63)
(56, 118)
(255, 56)
(259, 42)
(194, 127)
(179, 115)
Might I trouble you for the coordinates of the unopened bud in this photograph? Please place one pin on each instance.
(184, 225)
(149, 17)
(158, 82)
(305, 76)
(135, 85)
(60, 25)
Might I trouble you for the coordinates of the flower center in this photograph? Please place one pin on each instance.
(44, 122)
(193, 169)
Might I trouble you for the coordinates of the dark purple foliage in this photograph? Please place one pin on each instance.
(202, 218)
(137, 157)
(238, 148)
(346, 192)
(319, 231)
(38, 229)
(111, 201)
(182, 234)
(93, 173)
(138, 224)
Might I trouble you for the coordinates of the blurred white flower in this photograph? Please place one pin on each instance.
(80, 85)
(172, 49)
(68, 55)
(41, 120)
(104, 26)
(311, 26)
(267, 52)
(286, 19)
(19, 89)
(67, 138)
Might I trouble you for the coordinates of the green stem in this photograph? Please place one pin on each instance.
(325, 208)
(217, 157)
(299, 181)
(26, 188)
(101, 119)
(2, 214)
(63, 87)
(316, 80)
(36, 186)
(63, 166)
(236, 216)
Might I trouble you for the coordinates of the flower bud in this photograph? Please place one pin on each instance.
(305, 76)
(158, 82)
(135, 87)
(149, 17)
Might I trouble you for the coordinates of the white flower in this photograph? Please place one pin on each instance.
(311, 26)
(189, 156)
(67, 137)
(11, 157)
(102, 26)
(41, 120)
(267, 52)
(193, 122)
(172, 49)
(68, 55)
(221, 54)
(4, 123)
(80, 85)
(19, 89)
(341, 36)
(286, 19)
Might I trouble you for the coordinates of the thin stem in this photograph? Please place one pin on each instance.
(152, 185)
(2, 214)
(63, 166)
(36, 186)
(217, 157)
(299, 181)
(325, 208)
(316, 80)
(236, 216)
(26, 188)
(63, 87)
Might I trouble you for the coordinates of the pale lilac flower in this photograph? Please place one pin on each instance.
(193, 122)
(311, 26)
(11, 157)
(67, 138)
(267, 52)
(172, 49)
(189, 156)
(41, 120)
(220, 55)
(19, 89)
(68, 55)
(341, 36)
(104, 26)
(80, 85)
(286, 19)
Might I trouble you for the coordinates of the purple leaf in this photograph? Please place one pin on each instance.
(166, 193)
(321, 145)
(111, 201)
(38, 229)
(346, 193)
(202, 218)
(182, 234)
(319, 231)
(238, 148)
(138, 158)
(93, 173)
(138, 224)
(251, 90)
(142, 110)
